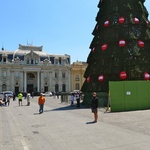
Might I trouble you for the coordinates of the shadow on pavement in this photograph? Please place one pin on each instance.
(90, 122)
(36, 114)
(66, 108)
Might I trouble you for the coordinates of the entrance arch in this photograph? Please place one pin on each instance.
(31, 82)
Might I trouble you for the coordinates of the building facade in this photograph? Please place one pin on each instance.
(77, 73)
(30, 69)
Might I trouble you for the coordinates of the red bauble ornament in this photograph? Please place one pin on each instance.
(123, 75)
(106, 23)
(88, 79)
(104, 47)
(93, 50)
(146, 76)
(141, 43)
(136, 20)
(121, 20)
(101, 78)
(122, 43)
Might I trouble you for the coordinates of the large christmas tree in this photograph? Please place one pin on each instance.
(120, 49)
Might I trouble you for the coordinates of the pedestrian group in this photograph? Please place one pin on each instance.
(41, 101)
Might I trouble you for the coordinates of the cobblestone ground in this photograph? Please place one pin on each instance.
(64, 127)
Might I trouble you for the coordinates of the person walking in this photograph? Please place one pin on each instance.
(5, 99)
(32, 94)
(28, 98)
(78, 99)
(8, 100)
(20, 98)
(94, 107)
(14, 96)
(41, 102)
(72, 99)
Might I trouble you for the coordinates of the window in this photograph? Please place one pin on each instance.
(31, 61)
(4, 74)
(46, 75)
(56, 88)
(59, 60)
(63, 62)
(4, 87)
(64, 88)
(4, 59)
(17, 75)
(77, 86)
(27, 61)
(36, 61)
(56, 62)
(63, 75)
(56, 74)
(77, 78)
(30, 76)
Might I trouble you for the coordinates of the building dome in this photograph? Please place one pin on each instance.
(24, 50)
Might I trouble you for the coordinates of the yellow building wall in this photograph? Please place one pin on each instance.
(77, 73)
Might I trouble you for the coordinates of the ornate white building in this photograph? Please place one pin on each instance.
(29, 68)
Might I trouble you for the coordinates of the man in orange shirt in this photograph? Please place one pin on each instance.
(41, 102)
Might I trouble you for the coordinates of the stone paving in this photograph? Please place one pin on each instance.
(64, 127)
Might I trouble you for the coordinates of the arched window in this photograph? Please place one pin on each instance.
(63, 88)
(27, 61)
(56, 88)
(77, 78)
(56, 74)
(63, 75)
(30, 76)
(77, 86)
(4, 87)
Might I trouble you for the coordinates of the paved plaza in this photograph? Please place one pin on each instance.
(64, 127)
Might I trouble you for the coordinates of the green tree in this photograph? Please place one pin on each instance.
(120, 49)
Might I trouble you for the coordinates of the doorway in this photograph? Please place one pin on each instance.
(45, 88)
(30, 88)
(16, 89)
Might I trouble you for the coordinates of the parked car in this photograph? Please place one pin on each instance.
(8, 93)
(76, 91)
(1, 95)
(47, 94)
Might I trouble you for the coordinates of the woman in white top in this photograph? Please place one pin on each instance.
(28, 98)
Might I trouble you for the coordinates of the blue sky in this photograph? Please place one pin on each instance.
(60, 26)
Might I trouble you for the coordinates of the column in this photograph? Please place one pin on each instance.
(50, 84)
(69, 89)
(25, 81)
(12, 79)
(38, 81)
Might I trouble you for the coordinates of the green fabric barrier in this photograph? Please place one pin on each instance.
(129, 95)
